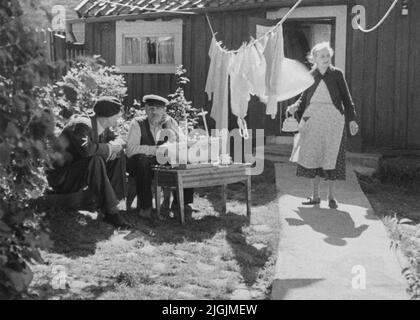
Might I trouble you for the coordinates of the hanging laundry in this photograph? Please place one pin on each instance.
(240, 89)
(217, 84)
(285, 78)
(254, 69)
(239, 85)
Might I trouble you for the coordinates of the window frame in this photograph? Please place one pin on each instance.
(142, 28)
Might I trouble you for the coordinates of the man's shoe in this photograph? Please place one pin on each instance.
(116, 221)
(332, 204)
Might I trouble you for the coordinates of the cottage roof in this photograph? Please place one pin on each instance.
(99, 8)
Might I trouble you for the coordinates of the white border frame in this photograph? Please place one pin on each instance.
(152, 29)
(337, 12)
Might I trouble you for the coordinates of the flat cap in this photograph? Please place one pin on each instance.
(107, 106)
(153, 98)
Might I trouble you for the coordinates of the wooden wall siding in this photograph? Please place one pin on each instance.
(100, 39)
(367, 95)
(402, 71)
(413, 115)
(382, 69)
(385, 77)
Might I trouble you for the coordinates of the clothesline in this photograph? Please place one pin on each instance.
(381, 21)
(133, 7)
(253, 41)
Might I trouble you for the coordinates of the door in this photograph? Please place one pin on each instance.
(300, 35)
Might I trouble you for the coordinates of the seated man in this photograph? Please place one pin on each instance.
(92, 157)
(142, 146)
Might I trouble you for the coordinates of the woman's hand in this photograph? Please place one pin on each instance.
(354, 128)
(291, 109)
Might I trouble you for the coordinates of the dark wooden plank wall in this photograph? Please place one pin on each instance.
(413, 115)
(382, 68)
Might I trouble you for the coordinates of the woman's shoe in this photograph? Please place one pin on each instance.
(332, 204)
(312, 201)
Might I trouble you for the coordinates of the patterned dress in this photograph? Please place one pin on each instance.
(320, 147)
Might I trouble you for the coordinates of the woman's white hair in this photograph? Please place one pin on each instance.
(319, 47)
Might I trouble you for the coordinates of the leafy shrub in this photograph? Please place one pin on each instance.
(179, 108)
(87, 79)
(26, 136)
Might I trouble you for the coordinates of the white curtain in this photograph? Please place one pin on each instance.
(148, 50)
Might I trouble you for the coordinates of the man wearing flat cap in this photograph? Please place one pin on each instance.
(92, 157)
(144, 138)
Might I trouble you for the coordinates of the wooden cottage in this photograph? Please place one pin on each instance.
(382, 67)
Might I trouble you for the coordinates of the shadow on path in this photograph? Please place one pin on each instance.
(281, 287)
(334, 224)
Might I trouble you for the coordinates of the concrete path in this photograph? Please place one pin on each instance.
(330, 254)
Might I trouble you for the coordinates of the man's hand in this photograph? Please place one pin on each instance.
(115, 150)
(354, 128)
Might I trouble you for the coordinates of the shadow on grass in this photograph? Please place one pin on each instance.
(75, 235)
(91, 292)
(249, 258)
(263, 189)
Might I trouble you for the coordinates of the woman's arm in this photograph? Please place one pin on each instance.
(298, 107)
(348, 103)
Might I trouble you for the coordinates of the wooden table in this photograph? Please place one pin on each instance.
(179, 179)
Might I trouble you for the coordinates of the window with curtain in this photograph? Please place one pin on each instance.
(140, 50)
(148, 46)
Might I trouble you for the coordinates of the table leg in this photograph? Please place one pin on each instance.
(248, 196)
(224, 198)
(180, 192)
(158, 191)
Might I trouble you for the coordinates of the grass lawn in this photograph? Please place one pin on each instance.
(400, 210)
(211, 257)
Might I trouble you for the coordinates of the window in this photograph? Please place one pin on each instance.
(149, 46)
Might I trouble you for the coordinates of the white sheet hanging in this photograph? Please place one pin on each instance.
(217, 84)
(285, 78)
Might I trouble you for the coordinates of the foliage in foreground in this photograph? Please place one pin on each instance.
(87, 79)
(404, 238)
(26, 136)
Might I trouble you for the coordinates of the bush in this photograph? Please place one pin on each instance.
(26, 136)
(179, 108)
(86, 80)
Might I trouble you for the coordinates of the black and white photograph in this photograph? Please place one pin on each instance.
(214, 156)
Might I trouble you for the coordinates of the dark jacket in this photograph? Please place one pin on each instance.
(338, 89)
(82, 140)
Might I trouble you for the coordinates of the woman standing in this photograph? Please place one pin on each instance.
(323, 111)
